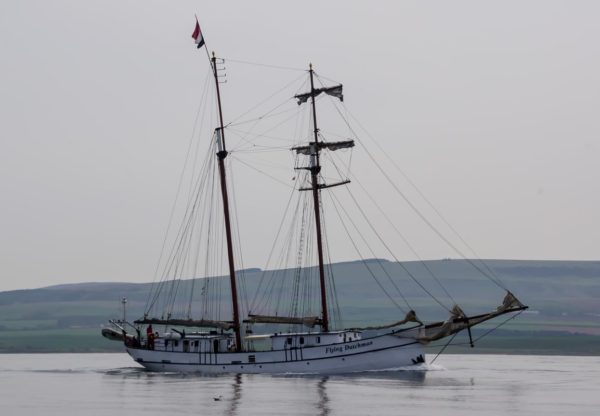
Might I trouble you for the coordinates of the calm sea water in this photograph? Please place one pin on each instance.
(102, 384)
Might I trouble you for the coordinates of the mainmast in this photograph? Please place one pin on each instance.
(315, 168)
(313, 151)
(221, 155)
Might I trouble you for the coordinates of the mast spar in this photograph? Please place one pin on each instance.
(313, 150)
(315, 168)
(221, 155)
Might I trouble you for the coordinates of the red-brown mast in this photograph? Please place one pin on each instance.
(221, 155)
(315, 168)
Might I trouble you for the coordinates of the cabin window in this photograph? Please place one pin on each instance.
(301, 340)
(186, 346)
(176, 343)
(289, 340)
(318, 340)
(196, 343)
(251, 358)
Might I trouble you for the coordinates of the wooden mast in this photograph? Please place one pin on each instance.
(315, 168)
(221, 155)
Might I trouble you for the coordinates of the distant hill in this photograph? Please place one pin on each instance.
(563, 297)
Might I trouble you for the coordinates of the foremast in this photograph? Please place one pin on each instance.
(221, 155)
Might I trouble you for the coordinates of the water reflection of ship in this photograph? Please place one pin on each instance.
(323, 404)
(236, 397)
(397, 378)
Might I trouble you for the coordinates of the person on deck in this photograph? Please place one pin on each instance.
(150, 336)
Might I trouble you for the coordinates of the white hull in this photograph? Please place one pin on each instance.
(377, 353)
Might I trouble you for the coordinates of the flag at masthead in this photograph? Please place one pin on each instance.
(197, 35)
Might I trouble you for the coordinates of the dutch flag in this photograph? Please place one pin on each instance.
(197, 35)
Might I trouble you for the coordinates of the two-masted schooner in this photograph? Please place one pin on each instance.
(166, 342)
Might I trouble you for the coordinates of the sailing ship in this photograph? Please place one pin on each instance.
(162, 341)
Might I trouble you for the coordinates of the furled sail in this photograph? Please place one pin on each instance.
(187, 322)
(335, 91)
(309, 321)
(326, 185)
(411, 316)
(459, 321)
(309, 149)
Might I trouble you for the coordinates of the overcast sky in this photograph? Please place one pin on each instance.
(491, 108)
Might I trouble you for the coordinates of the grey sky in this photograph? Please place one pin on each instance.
(492, 108)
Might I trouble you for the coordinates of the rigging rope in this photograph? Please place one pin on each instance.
(259, 287)
(241, 279)
(233, 122)
(476, 339)
(444, 348)
(363, 259)
(203, 94)
(289, 68)
(263, 172)
(379, 263)
(336, 316)
(428, 202)
(416, 210)
(392, 253)
(268, 130)
(404, 239)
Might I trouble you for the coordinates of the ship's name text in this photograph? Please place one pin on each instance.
(342, 348)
